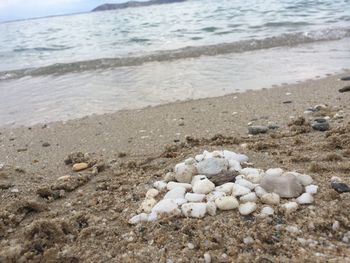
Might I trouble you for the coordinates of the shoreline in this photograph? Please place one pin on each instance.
(87, 217)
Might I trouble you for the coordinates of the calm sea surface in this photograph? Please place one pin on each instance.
(59, 68)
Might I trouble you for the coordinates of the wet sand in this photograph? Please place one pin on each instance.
(85, 218)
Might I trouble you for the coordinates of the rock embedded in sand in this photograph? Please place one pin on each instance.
(197, 210)
(169, 177)
(203, 187)
(166, 206)
(344, 89)
(340, 187)
(226, 203)
(320, 125)
(147, 205)
(305, 198)
(304, 179)
(191, 197)
(247, 208)
(259, 191)
(151, 193)
(286, 185)
(267, 210)
(257, 129)
(290, 207)
(207, 258)
(270, 199)
(184, 172)
(172, 185)
(79, 167)
(212, 166)
(160, 185)
(143, 217)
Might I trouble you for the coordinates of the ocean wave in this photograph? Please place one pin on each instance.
(291, 39)
(41, 49)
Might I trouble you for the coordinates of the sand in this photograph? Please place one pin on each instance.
(85, 218)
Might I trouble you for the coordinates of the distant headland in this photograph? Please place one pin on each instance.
(129, 4)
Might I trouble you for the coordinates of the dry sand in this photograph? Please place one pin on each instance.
(85, 218)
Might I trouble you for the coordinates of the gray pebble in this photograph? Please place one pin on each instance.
(257, 129)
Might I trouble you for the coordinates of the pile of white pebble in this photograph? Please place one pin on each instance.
(190, 190)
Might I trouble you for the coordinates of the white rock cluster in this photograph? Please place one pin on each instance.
(189, 191)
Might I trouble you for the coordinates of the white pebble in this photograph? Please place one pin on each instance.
(225, 188)
(267, 210)
(336, 179)
(249, 170)
(199, 157)
(212, 166)
(235, 156)
(184, 172)
(304, 179)
(152, 217)
(143, 217)
(247, 208)
(147, 205)
(305, 198)
(197, 178)
(172, 185)
(167, 206)
(196, 210)
(203, 187)
(175, 193)
(335, 225)
(151, 193)
(311, 189)
(207, 258)
(245, 183)
(238, 190)
(160, 185)
(251, 197)
(214, 195)
(169, 177)
(190, 246)
(226, 203)
(290, 207)
(234, 165)
(260, 191)
(191, 197)
(271, 199)
(274, 172)
(211, 208)
(254, 178)
(248, 240)
(292, 229)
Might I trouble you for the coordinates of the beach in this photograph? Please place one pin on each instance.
(84, 217)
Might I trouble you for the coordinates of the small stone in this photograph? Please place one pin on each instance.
(143, 217)
(305, 198)
(311, 189)
(344, 89)
(247, 208)
(196, 210)
(152, 217)
(335, 179)
(203, 187)
(248, 240)
(320, 126)
(197, 178)
(274, 172)
(166, 206)
(225, 188)
(190, 246)
(176, 193)
(224, 177)
(292, 229)
(190, 197)
(151, 193)
(254, 130)
(245, 183)
(304, 179)
(271, 199)
(207, 258)
(184, 172)
(234, 165)
(45, 144)
(160, 185)
(226, 203)
(290, 207)
(259, 191)
(14, 190)
(79, 167)
(267, 210)
(340, 187)
(147, 205)
(172, 185)
(64, 178)
(212, 166)
(286, 185)
(335, 225)
(214, 195)
(254, 178)
(169, 177)
(238, 190)
(251, 197)
(211, 208)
